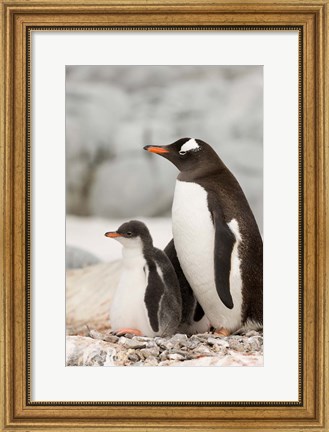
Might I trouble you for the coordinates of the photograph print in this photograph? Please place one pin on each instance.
(164, 215)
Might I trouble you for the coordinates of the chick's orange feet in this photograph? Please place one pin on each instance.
(222, 332)
(123, 331)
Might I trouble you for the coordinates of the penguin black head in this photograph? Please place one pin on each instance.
(132, 234)
(188, 154)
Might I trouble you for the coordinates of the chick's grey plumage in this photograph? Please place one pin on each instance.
(162, 295)
(193, 319)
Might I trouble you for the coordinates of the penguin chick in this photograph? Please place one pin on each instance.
(216, 237)
(147, 300)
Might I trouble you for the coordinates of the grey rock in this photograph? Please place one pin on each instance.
(122, 357)
(106, 337)
(252, 333)
(256, 343)
(151, 344)
(219, 349)
(164, 355)
(238, 344)
(175, 356)
(133, 356)
(151, 361)
(78, 258)
(179, 337)
(163, 343)
(150, 352)
(217, 341)
(201, 336)
(131, 194)
(73, 359)
(131, 343)
(192, 343)
(178, 340)
(143, 338)
(202, 349)
(167, 362)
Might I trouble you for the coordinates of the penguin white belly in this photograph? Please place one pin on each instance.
(194, 237)
(128, 307)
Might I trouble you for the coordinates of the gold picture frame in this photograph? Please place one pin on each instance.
(311, 412)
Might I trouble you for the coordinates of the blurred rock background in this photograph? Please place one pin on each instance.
(113, 111)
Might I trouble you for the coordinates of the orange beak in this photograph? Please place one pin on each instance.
(155, 149)
(112, 234)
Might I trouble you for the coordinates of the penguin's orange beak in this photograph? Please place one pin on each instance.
(112, 234)
(156, 149)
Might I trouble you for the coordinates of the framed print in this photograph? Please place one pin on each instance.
(135, 301)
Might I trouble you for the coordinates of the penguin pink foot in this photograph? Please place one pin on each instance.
(123, 331)
(222, 332)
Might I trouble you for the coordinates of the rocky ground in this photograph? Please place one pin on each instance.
(89, 342)
(207, 349)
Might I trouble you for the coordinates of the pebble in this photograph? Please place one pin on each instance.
(200, 337)
(107, 337)
(151, 344)
(132, 343)
(164, 355)
(202, 349)
(256, 343)
(192, 343)
(143, 338)
(217, 341)
(238, 344)
(151, 361)
(175, 356)
(252, 333)
(178, 340)
(150, 352)
(163, 343)
(133, 356)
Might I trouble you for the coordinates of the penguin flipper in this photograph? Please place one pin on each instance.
(170, 314)
(224, 242)
(191, 308)
(170, 307)
(153, 295)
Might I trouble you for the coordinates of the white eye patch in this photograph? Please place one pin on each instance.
(189, 145)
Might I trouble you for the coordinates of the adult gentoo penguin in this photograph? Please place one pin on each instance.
(216, 237)
(147, 300)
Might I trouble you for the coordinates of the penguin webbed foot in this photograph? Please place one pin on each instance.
(224, 332)
(128, 331)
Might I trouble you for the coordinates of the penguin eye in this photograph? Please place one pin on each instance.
(182, 153)
(129, 234)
